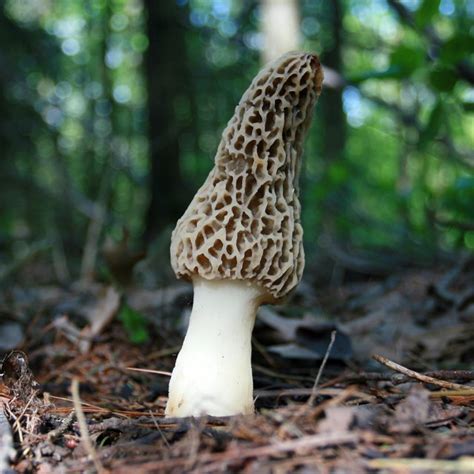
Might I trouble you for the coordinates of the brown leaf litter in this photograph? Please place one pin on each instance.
(410, 410)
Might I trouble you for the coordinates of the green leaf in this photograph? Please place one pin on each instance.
(425, 13)
(407, 59)
(457, 48)
(443, 78)
(404, 60)
(389, 73)
(468, 107)
(134, 323)
(433, 126)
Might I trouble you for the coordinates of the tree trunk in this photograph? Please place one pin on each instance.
(334, 140)
(280, 27)
(335, 204)
(165, 70)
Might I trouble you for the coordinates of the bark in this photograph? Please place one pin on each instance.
(165, 70)
(334, 138)
(280, 27)
(333, 132)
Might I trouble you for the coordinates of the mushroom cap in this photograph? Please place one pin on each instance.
(244, 221)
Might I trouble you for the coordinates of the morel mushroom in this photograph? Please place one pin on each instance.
(240, 240)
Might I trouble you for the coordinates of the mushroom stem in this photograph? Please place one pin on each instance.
(213, 373)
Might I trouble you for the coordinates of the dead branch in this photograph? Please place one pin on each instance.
(417, 376)
(398, 378)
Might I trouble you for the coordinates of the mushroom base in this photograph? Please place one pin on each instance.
(213, 373)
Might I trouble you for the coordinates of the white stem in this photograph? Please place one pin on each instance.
(213, 373)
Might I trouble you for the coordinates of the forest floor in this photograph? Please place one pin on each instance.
(369, 376)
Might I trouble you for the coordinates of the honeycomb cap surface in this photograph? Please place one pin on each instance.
(244, 221)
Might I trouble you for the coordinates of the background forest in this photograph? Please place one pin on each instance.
(111, 112)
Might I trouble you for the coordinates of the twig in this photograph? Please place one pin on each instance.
(303, 409)
(453, 393)
(314, 391)
(397, 379)
(28, 403)
(84, 404)
(157, 426)
(149, 371)
(417, 376)
(464, 464)
(81, 419)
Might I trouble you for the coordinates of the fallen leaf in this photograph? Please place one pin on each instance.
(411, 412)
(293, 351)
(307, 338)
(338, 419)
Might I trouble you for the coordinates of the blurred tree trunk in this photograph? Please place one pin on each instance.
(103, 155)
(165, 71)
(337, 200)
(280, 27)
(334, 138)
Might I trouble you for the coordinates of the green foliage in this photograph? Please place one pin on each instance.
(426, 12)
(458, 199)
(406, 59)
(74, 127)
(433, 126)
(134, 323)
(443, 78)
(457, 48)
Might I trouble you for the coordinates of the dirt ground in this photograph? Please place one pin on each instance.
(374, 375)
